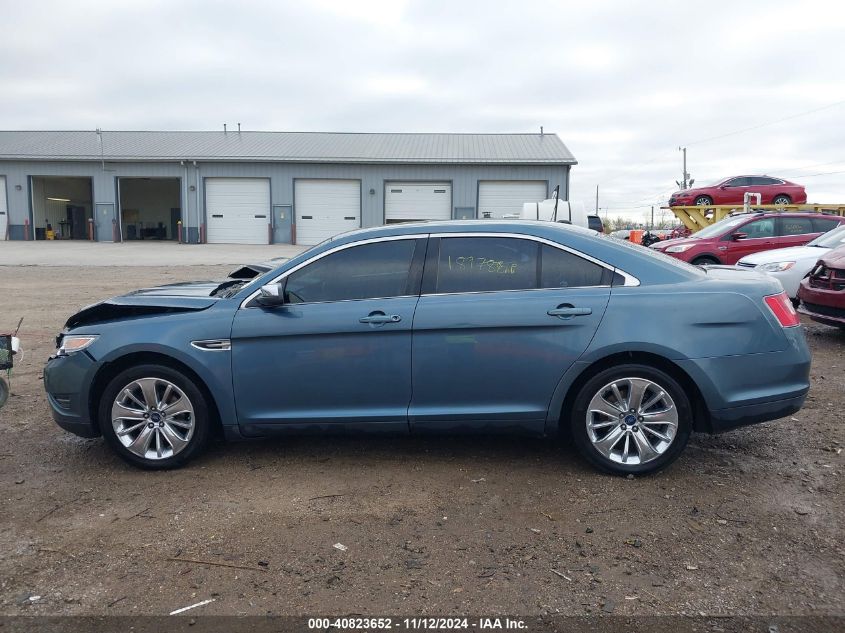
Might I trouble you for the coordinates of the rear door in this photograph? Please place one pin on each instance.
(500, 320)
(760, 235)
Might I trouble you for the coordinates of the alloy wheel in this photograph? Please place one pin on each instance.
(153, 418)
(632, 421)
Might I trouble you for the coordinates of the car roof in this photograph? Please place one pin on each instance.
(529, 227)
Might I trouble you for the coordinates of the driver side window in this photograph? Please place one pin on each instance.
(369, 271)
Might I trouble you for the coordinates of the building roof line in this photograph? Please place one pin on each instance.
(377, 147)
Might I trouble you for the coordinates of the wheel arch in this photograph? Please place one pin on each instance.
(701, 414)
(707, 256)
(112, 368)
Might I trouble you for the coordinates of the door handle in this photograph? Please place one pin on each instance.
(566, 311)
(380, 318)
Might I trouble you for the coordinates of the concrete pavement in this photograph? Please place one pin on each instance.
(141, 253)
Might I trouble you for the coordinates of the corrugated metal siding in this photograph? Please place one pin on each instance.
(464, 180)
(287, 147)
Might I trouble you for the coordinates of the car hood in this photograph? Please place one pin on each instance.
(179, 297)
(184, 289)
(678, 240)
(834, 258)
(792, 254)
(690, 192)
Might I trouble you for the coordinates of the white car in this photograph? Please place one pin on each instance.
(791, 265)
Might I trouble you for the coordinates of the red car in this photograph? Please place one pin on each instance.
(738, 235)
(822, 292)
(732, 190)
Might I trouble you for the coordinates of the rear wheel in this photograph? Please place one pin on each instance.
(705, 260)
(631, 419)
(4, 392)
(154, 417)
(782, 199)
(703, 201)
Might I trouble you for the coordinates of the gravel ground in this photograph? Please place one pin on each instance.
(750, 522)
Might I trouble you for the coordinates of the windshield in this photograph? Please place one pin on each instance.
(720, 227)
(831, 239)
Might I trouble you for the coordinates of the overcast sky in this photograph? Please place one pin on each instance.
(622, 83)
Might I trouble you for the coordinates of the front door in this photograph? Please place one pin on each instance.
(759, 235)
(499, 322)
(338, 353)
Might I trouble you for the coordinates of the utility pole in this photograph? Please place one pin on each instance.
(597, 199)
(652, 217)
(686, 183)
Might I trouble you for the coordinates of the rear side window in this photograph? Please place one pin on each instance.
(823, 225)
(759, 228)
(795, 226)
(368, 271)
(486, 264)
(561, 269)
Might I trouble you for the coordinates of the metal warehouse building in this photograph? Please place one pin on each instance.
(263, 187)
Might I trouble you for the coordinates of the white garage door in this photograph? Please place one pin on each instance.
(4, 212)
(237, 210)
(503, 197)
(408, 201)
(325, 208)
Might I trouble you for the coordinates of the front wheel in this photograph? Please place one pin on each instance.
(703, 201)
(705, 261)
(154, 417)
(4, 391)
(631, 419)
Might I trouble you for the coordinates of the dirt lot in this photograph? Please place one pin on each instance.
(746, 523)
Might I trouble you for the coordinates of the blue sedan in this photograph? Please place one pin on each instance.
(449, 327)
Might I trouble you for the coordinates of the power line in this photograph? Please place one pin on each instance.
(757, 127)
(787, 170)
(824, 173)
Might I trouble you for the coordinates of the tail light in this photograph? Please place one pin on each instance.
(782, 308)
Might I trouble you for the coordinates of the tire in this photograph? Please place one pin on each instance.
(705, 260)
(179, 436)
(657, 444)
(703, 201)
(782, 199)
(4, 391)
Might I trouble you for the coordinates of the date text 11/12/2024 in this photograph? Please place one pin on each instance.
(430, 623)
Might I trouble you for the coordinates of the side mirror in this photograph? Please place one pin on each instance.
(271, 296)
(723, 187)
(739, 236)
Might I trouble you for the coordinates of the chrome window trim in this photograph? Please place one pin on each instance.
(630, 280)
(213, 345)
